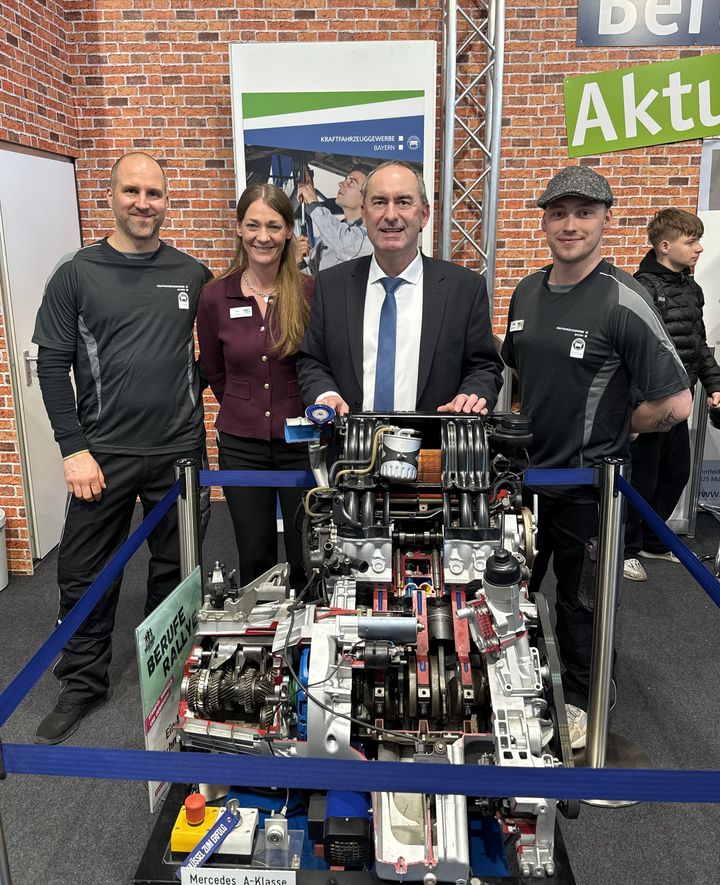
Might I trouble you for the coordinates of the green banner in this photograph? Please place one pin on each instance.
(649, 104)
(163, 642)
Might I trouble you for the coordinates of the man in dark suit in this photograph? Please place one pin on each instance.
(397, 331)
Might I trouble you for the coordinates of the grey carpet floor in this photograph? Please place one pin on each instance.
(62, 831)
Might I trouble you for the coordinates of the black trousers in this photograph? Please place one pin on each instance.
(93, 532)
(660, 472)
(253, 510)
(567, 532)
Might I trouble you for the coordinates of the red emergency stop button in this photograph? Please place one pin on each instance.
(195, 809)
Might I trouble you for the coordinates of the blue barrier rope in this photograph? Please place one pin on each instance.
(708, 582)
(282, 479)
(304, 479)
(300, 773)
(585, 476)
(619, 784)
(567, 476)
(22, 684)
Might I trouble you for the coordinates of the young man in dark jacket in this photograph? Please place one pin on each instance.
(661, 461)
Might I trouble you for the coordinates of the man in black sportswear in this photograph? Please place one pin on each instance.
(120, 314)
(583, 339)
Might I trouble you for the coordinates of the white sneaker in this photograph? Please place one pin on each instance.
(577, 726)
(634, 571)
(668, 556)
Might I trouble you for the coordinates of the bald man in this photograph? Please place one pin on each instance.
(119, 313)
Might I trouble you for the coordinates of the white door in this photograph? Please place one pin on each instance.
(39, 222)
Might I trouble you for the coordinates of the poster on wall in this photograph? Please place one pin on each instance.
(163, 642)
(321, 117)
(648, 23)
(709, 185)
(648, 104)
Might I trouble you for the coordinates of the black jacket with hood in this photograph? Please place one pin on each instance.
(679, 300)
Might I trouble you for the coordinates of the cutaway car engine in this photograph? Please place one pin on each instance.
(414, 640)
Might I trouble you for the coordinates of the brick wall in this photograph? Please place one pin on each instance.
(12, 498)
(37, 96)
(93, 80)
(157, 79)
(37, 109)
(154, 76)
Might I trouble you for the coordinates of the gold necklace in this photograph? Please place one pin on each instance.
(265, 298)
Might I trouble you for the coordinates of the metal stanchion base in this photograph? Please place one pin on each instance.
(5, 877)
(621, 753)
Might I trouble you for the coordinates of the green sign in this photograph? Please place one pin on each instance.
(650, 104)
(163, 642)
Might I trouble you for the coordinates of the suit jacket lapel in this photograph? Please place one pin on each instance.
(434, 302)
(355, 305)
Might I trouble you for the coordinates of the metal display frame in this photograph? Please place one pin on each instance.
(471, 127)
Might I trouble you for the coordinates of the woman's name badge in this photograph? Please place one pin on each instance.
(236, 312)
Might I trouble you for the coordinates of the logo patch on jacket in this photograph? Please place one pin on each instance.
(577, 348)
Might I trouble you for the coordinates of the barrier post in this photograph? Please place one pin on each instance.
(188, 508)
(609, 553)
(4, 863)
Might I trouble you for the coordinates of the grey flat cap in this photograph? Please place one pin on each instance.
(577, 181)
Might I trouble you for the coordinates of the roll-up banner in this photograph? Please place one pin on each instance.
(311, 113)
(707, 274)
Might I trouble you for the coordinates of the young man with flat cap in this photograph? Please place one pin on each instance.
(594, 365)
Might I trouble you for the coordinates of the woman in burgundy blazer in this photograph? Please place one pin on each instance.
(250, 323)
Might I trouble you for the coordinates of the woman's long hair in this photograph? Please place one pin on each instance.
(289, 311)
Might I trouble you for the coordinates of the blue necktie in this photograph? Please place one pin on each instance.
(387, 335)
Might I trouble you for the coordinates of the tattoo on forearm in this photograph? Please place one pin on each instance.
(665, 421)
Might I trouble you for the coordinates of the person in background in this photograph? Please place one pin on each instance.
(251, 321)
(661, 461)
(120, 314)
(582, 338)
(337, 239)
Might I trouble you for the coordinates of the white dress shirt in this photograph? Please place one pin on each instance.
(409, 300)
